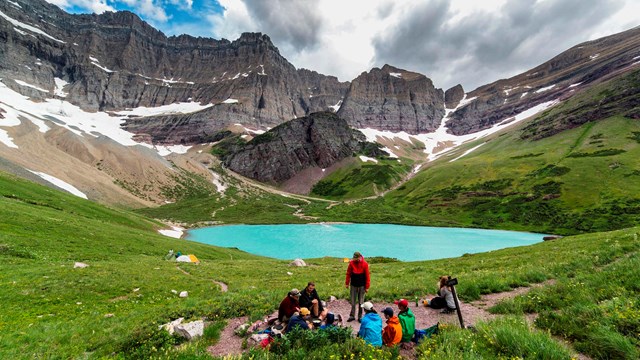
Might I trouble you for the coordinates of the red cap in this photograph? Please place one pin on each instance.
(402, 302)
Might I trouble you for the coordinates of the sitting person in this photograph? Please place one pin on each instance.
(289, 305)
(371, 326)
(298, 319)
(444, 300)
(407, 320)
(329, 321)
(392, 333)
(311, 301)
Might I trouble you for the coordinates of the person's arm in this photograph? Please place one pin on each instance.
(320, 307)
(348, 277)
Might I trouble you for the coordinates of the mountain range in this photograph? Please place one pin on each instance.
(128, 116)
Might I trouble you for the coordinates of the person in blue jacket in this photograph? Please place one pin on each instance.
(371, 326)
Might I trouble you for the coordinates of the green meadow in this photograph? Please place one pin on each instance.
(112, 309)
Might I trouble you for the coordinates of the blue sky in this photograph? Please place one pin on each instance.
(469, 42)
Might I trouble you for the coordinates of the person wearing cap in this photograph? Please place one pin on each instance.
(311, 300)
(289, 305)
(298, 319)
(392, 333)
(407, 320)
(357, 280)
(371, 326)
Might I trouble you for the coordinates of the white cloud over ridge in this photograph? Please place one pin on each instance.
(451, 41)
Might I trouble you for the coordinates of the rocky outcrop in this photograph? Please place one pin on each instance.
(559, 78)
(395, 100)
(317, 140)
(453, 96)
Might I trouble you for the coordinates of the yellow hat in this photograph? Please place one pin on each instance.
(304, 311)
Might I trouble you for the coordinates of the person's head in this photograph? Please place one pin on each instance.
(330, 318)
(357, 256)
(294, 293)
(310, 286)
(304, 312)
(368, 307)
(403, 304)
(443, 281)
(388, 312)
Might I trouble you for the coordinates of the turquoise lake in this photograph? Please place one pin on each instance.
(406, 243)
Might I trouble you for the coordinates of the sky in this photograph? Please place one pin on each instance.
(466, 42)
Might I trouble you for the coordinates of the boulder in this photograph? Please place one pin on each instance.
(190, 330)
(332, 298)
(551, 237)
(80, 265)
(170, 326)
(184, 294)
(298, 262)
(241, 329)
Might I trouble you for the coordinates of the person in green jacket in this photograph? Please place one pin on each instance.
(407, 320)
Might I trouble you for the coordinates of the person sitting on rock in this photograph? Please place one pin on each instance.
(444, 300)
(392, 333)
(311, 301)
(407, 320)
(298, 319)
(289, 305)
(371, 326)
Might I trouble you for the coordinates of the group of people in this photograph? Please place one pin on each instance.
(304, 309)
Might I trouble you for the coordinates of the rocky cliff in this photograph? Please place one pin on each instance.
(115, 60)
(395, 100)
(317, 140)
(570, 72)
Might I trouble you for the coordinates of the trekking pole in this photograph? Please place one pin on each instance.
(453, 282)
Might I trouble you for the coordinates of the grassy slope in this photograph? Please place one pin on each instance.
(53, 310)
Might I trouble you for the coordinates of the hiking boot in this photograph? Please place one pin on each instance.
(350, 319)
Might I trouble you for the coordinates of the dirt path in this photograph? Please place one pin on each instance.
(223, 286)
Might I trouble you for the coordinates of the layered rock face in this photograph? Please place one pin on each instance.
(395, 100)
(317, 140)
(559, 78)
(115, 60)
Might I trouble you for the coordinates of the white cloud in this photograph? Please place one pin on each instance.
(96, 6)
(149, 9)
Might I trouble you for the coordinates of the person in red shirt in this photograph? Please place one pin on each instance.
(289, 305)
(357, 281)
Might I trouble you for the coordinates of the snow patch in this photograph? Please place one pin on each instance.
(574, 85)
(366, 158)
(177, 108)
(164, 150)
(14, 4)
(336, 107)
(217, 181)
(60, 84)
(176, 232)
(593, 57)
(545, 88)
(61, 184)
(230, 101)
(22, 83)
(397, 75)
(30, 28)
(467, 152)
(392, 155)
(6, 139)
(262, 71)
(523, 94)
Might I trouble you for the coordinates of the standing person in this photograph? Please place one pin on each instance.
(444, 300)
(392, 333)
(289, 305)
(311, 301)
(371, 326)
(407, 320)
(357, 281)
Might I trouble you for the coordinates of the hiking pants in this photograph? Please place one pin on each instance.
(357, 298)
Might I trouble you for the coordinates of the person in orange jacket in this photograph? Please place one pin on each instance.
(357, 281)
(392, 333)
